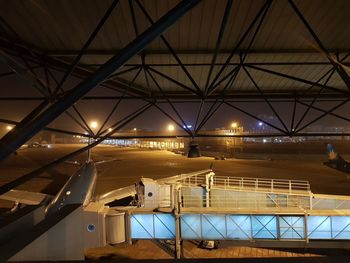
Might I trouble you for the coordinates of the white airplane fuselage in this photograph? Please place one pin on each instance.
(78, 189)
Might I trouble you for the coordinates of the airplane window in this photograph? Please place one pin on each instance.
(149, 194)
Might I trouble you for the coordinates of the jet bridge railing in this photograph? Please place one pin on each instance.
(262, 184)
(237, 200)
(244, 183)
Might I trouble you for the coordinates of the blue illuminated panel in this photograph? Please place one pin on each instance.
(238, 227)
(142, 226)
(164, 226)
(340, 227)
(213, 227)
(319, 227)
(150, 226)
(191, 227)
(292, 227)
(264, 226)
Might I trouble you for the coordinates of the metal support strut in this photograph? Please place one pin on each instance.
(19, 135)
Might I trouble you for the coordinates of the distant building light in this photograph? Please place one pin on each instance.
(109, 129)
(9, 128)
(264, 140)
(135, 129)
(171, 127)
(188, 126)
(260, 123)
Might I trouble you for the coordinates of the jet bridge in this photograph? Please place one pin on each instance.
(264, 212)
(202, 206)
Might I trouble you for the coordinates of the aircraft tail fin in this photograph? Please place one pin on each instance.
(336, 160)
(332, 154)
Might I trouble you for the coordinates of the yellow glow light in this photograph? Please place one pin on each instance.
(93, 124)
(234, 125)
(9, 127)
(109, 129)
(171, 127)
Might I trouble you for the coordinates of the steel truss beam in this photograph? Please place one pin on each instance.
(178, 60)
(131, 91)
(272, 63)
(13, 184)
(337, 66)
(233, 73)
(156, 52)
(181, 97)
(272, 72)
(25, 130)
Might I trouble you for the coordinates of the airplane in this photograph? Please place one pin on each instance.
(336, 161)
(79, 189)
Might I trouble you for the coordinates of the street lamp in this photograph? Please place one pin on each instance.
(234, 125)
(171, 127)
(93, 124)
(9, 128)
(109, 129)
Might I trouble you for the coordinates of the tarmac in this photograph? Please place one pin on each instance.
(131, 164)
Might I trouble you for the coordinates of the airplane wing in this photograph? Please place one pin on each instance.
(24, 197)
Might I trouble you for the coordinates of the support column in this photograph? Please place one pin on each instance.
(178, 241)
(193, 151)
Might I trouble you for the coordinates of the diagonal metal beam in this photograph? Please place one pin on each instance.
(83, 125)
(135, 113)
(25, 72)
(322, 110)
(16, 137)
(293, 115)
(324, 114)
(47, 128)
(330, 74)
(209, 114)
(337, 66)
(347, 93)
(132, 11)
(178, 60)
(227, 12)
(184, 125)
(255, 117)
(266, 100)
(244, 54)
(123, 72)
(168, 115)
(117, 103)
(87, 44)
(175, 81)
(13, 184)
(233, 51)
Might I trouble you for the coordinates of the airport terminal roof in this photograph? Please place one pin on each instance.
(279, 48)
